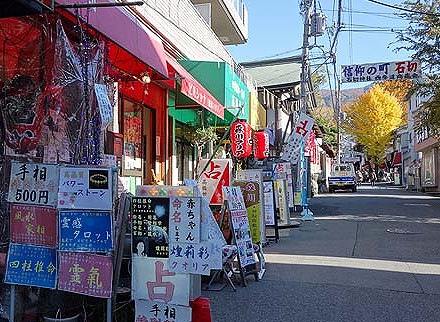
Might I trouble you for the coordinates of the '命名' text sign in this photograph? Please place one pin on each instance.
(381, 71)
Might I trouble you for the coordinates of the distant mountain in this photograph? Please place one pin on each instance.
(347, 95)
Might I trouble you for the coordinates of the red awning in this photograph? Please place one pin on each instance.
(194, 90)
(117, 24)
(397, 159)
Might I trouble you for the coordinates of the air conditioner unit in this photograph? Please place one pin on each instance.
(25, 7)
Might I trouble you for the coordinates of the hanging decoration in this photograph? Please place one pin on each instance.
(261, 144)
(241, 139)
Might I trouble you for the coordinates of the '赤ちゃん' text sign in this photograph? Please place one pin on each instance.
(31, 265)
(83, 230)
(33, 183)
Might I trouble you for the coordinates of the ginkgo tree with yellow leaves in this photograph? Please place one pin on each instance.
(372, 118)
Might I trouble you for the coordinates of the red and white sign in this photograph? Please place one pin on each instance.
(34, 225)
(153, 281)
(216, 175)
(297, 138)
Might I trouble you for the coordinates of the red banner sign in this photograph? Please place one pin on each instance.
(33, 225)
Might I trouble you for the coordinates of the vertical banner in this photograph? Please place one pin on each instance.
(85, 273)
(269, 203)
(33, 183)
(281, 201)
(150, 226)
(218, 173)
(240, 226)
(153, 281)
(251, 195)
(84, 230)
(31, 265)
(33, 225)
(85, 188)
(283, 170)
(256, 175)
(302, 129)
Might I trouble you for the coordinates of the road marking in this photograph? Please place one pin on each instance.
(357, 263)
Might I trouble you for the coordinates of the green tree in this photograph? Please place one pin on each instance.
(372, 118)
(422, 36)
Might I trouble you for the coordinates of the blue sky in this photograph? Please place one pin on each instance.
(276, 30)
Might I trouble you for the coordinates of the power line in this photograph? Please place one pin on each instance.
(404, 9)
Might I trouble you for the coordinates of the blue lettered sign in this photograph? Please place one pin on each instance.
(31, 265)
(85, 230)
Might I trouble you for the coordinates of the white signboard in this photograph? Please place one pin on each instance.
(210, 229)
(410, 69)
(85, 188)
(283, 170)
(105, 107)
(269, 203)
(217, 174)
(155, 311)
(33, 183)
(153, 281)
(301, 132)
(185, 220)
(195, 258)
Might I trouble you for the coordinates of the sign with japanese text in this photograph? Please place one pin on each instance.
(381, 71)
(150, 226)
(165, 191)
(281, 201)
(85, 188)
(185, 220)
(194, 258)
(33, 183)
(269, 203)
(147, 311)
(210, 229)
(251, 196)
(85, 273)
(242, 236)
(284, 171)
(234, 197)
(256, 175)
(31, 265)
(105, 107)
(298, 137)
(34, 225)
(153, 281)
(216, 175)
(85, 230)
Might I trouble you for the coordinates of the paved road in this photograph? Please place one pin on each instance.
(369, 256)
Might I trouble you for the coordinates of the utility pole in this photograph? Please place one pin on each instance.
(307, 7)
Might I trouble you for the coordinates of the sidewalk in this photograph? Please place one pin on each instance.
(317, 272)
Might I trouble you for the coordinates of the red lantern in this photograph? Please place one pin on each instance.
(241, 139)
(261, 144)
